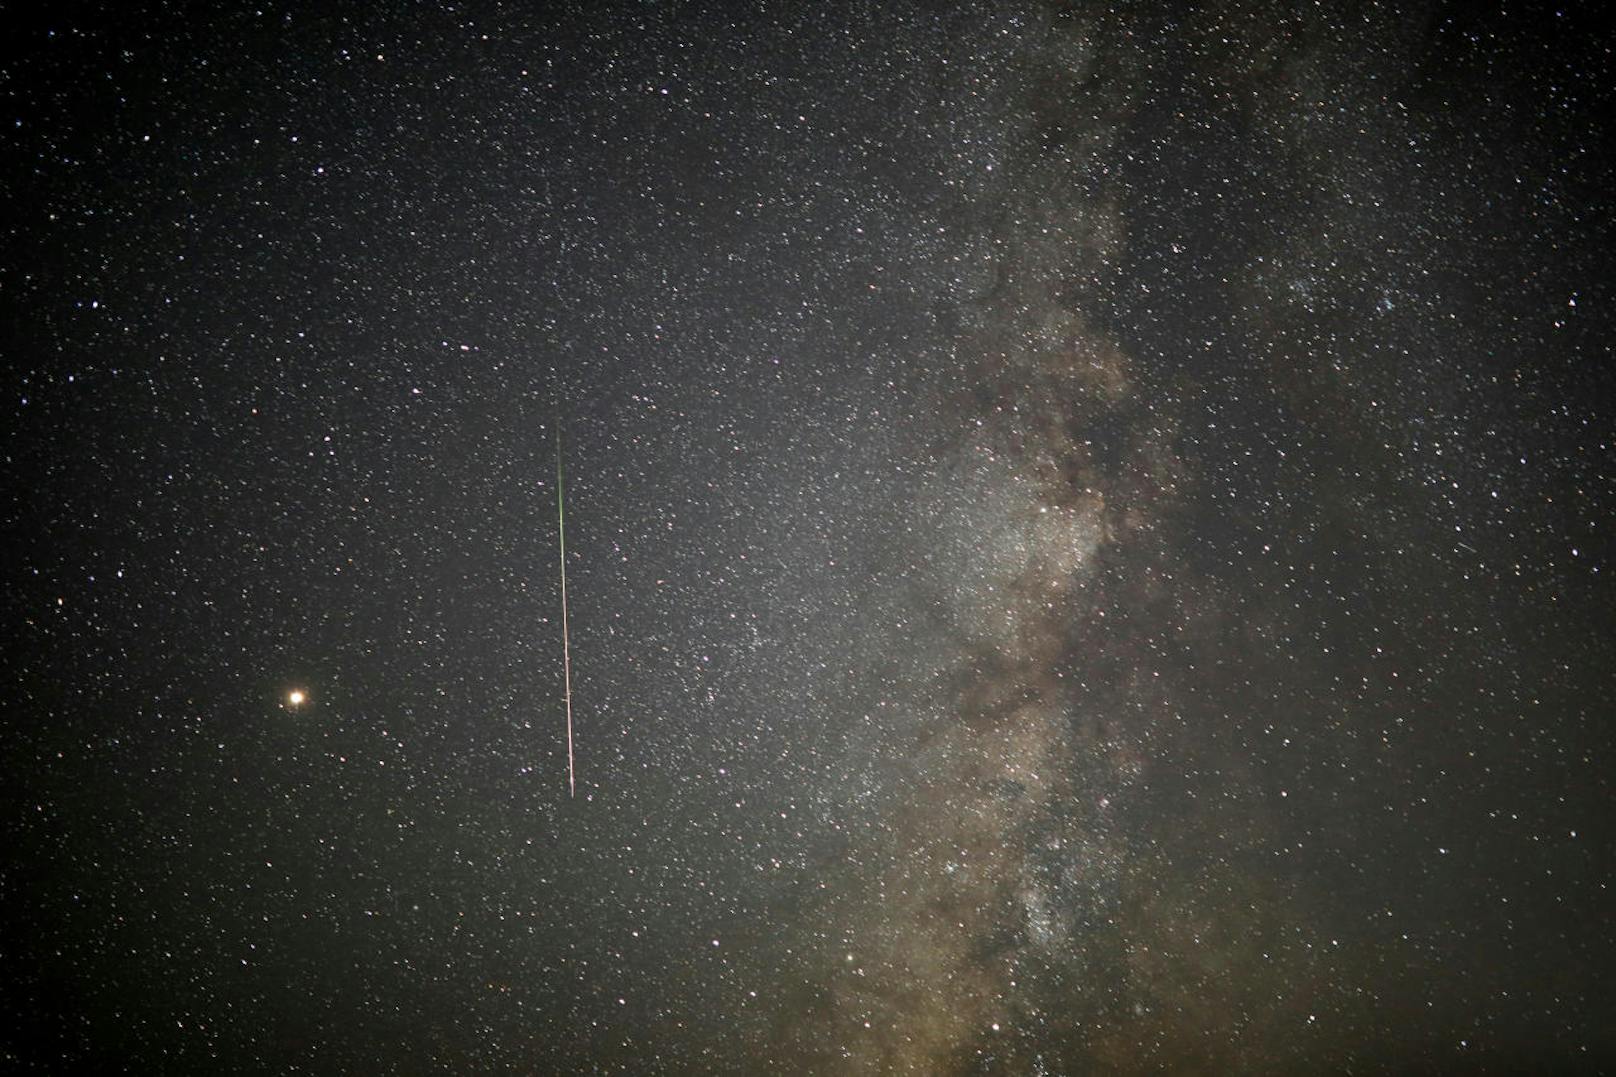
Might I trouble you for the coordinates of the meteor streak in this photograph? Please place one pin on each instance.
(566, 645)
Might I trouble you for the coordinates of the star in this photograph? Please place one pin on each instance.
(296, 697)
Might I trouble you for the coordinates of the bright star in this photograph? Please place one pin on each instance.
(296, 697)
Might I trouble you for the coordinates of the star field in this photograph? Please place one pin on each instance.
(1088, 539)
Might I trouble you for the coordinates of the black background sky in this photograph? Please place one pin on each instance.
(1089, 538)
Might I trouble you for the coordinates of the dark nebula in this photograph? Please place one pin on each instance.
(1088, 539)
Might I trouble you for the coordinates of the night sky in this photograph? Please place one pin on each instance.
(1088, 531)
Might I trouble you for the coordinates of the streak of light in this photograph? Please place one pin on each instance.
(566, 642)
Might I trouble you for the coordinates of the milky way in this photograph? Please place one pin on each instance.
(1087, 540)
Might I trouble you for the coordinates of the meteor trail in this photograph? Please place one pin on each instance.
(566, 645)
